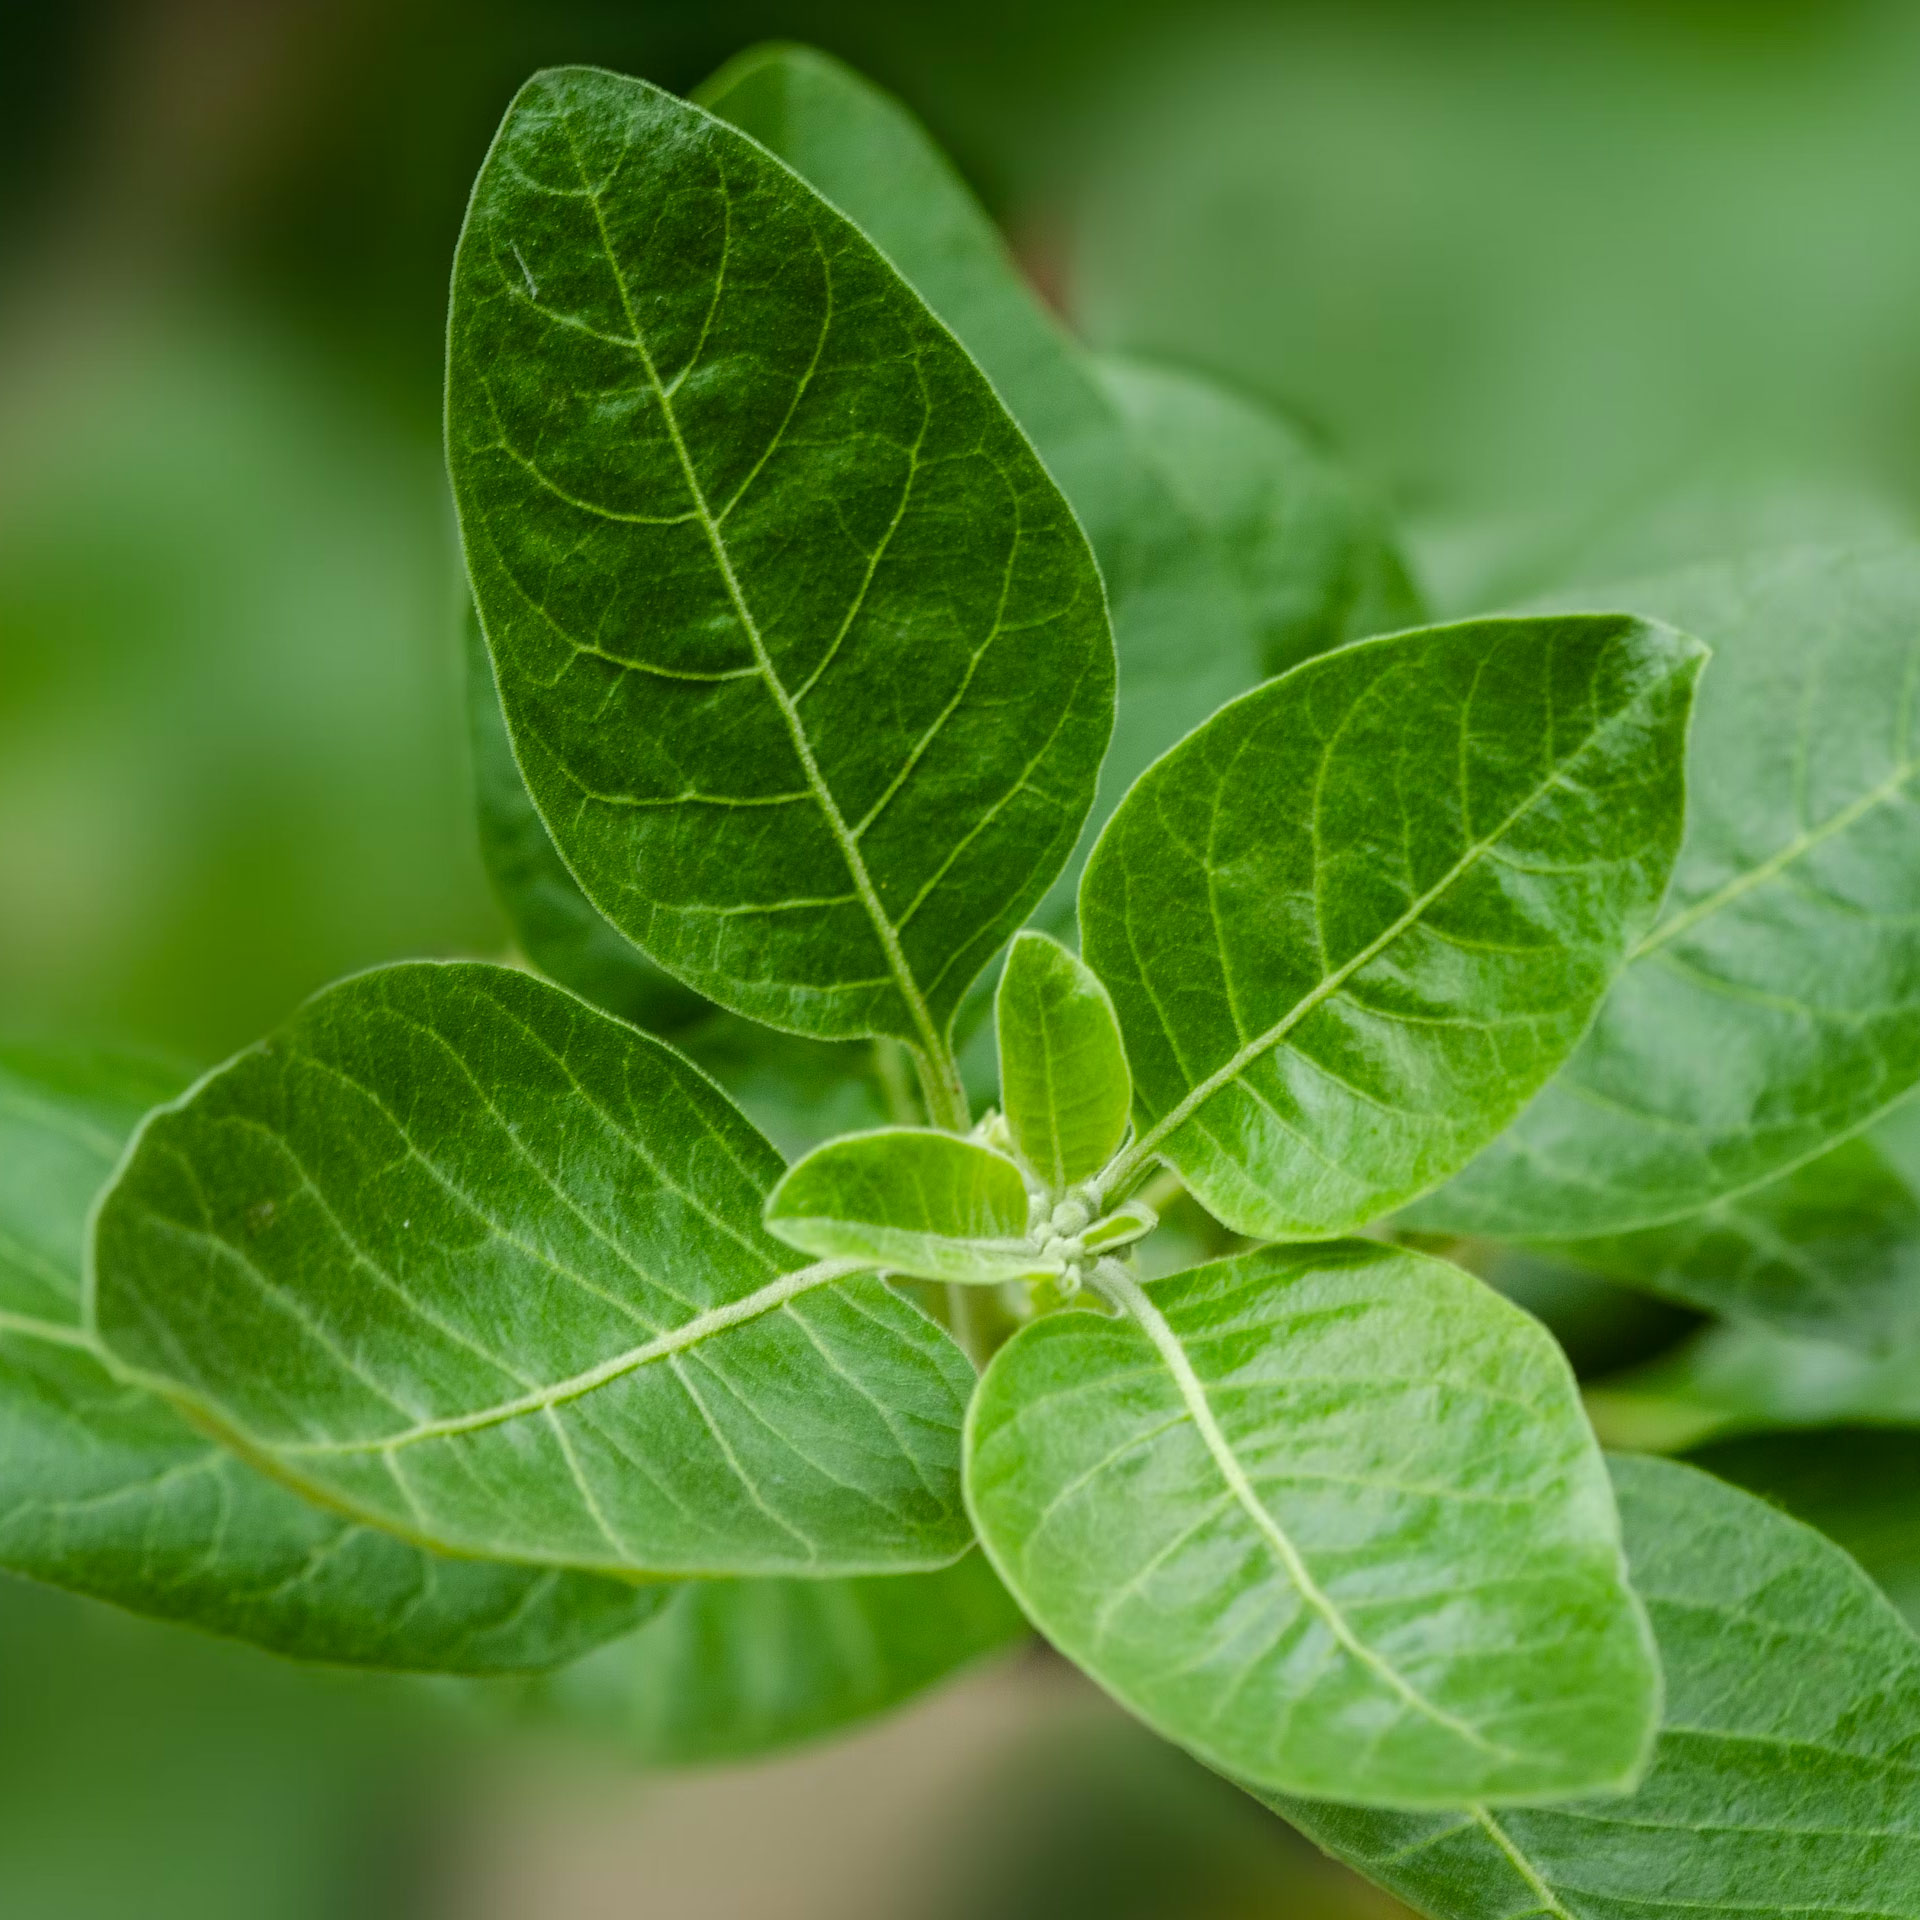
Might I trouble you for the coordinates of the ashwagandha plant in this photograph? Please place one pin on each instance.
(467, 1323)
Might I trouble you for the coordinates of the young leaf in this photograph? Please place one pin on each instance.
(1329, 1516)
(805, 660)
(1830, 1249)
(1187, 636)
(738, 1668)
(1782, 1784)
(1311, 555)
(1360, 916)
(557, 926)
(1064, 1083)
(473, 1262)
(914, 1202)
(1775, 1008)
(106, 1491)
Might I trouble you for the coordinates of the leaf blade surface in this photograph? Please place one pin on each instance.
(1328, 1513)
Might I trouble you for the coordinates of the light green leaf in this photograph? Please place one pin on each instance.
(471, 1261)
(738, 1668)
(804, 657)
(1830, 1249)
(557, 926)
(1064, 1084)
(1782, 1784)
(1309, 553)
(1360, 916)
(1775, 1008)
(1186, 633)
(1330, 1517)
(106, 1491)
(912, 1201)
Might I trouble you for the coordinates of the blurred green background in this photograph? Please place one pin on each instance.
(1577, 287)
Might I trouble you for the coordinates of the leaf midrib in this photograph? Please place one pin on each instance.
(1193, 1394)
(904, 982)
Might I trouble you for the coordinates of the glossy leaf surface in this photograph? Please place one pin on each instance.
(1830, 1249)
(479, 1264)
(105, 1490)
(738, 1668)
(1776, 1005)
(1310, 556)
(558, 928)
(1782, 1783)
(1064, 1085)
(1186, 634)
(805, 660)
(912, 1201)
(1332, 1518)
(1360, 916)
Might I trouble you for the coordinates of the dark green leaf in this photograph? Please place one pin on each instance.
(805, 660)
(1776, 1006)
(1312, 557)
(557, 926)
(1064, 1083)
(476, 1263)
(1830, 1249)
(105, 1490)
(1782, 1783)
(1330, 1517)
(912, 1201)
(1360, 916)
(737, 1668)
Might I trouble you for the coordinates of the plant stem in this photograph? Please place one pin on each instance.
(896, 1088)
(940, 1088)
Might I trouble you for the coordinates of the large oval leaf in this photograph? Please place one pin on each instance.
(1776, 1006)
(805, 659)
(106, 1491)
(1332, 1518)
(1782, 1784)
(738, 1668)
(1360, 916)
(479, 1264)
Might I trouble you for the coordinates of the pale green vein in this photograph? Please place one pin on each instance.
(1549, 1901)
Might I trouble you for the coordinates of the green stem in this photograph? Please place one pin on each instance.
(940, 1088)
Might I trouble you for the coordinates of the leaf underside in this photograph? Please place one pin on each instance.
(1782, 1783)
(1325, 1515)
(805, 659)
(479, 1264)
(1359, 917)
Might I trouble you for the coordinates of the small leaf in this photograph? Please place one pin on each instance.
(1329, 1516)
(1360, 916)
(1120, 1228)
(815, 703)
(912, 1201)
(558, 927)
(1830, 1249)
(104, 1490)
(1311, 555)
(1063, 1074)
(738, 1668)
(1775, 1008)
(1782, 1784)
(473, 1262)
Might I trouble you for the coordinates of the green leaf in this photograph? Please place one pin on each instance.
(1330, 1517)
(1064, 1083)
(1782, 1783)
(912, 1201)
(557, 926)
(1360, 916)
(804, 657)
(1312, 557)
(106, 1491)
(468, 1260)
(1830, 1249)
(1776, 1006)
(1186, 633)
(738, 1668)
